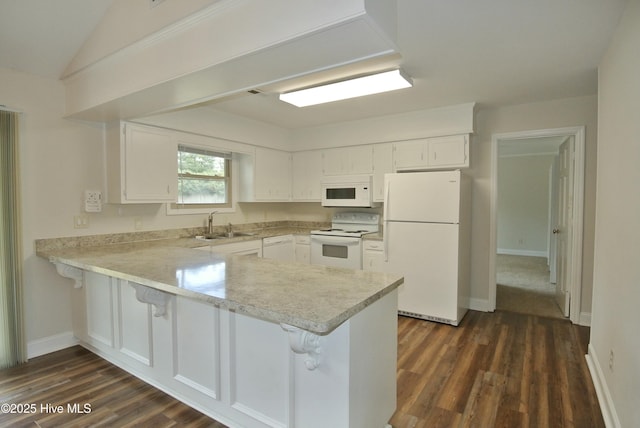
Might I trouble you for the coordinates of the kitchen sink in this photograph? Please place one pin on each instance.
(236, 234)
(223, 236)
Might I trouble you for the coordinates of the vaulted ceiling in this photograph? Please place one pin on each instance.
(493, 52)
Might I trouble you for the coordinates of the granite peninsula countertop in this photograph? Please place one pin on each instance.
(313, 298)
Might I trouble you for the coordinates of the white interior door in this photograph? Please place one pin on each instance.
(563, 225)
(553, 214)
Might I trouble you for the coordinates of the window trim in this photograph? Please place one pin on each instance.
(177, 208)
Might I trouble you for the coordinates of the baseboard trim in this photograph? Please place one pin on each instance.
(531, 253)
(585, 319)
(602, 391)
(481, 305)
(49, 344)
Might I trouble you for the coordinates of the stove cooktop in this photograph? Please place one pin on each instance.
(351, 224)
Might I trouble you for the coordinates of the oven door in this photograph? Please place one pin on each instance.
(336, 251)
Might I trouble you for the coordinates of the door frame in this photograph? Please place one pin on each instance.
(575, 262)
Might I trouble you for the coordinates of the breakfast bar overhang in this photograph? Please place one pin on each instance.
(248, 341)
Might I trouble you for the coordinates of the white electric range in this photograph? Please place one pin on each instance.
(341, 245)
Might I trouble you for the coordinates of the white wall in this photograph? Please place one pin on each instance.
(61, 158)
(579, 111)
(523, 204)
(560, 113)
(616, 289)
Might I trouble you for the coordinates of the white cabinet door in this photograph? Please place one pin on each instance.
(242, 248)
(273, 174)
(266, 176)
(334, 162)
(279, 248)
(307, 174)
(373, 256)
(196, 357)
(450, 151)
(382, 164)
(361, 160)
(134, 325)
(100, 302)
(348, 160)
(141, 164)
(408, 155)
(432, 153)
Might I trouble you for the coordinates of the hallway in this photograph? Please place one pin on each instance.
(523, 286)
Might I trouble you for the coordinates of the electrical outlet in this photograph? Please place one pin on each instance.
(80, 221)
(611, 359)
(137, 223)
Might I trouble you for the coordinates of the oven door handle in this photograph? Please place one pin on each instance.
(335, 240)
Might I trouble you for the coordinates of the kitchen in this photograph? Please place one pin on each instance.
(54, 195)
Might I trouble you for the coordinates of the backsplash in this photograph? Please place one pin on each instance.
(44, 245)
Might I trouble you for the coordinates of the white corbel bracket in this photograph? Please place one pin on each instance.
(152, 296)
(71, 273)
(304, 342)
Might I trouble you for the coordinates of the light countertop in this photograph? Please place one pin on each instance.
(313, 298)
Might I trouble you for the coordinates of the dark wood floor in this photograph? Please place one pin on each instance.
(496, 370)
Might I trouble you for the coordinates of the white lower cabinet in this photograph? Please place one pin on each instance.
(196, 361)
(134, 324)
(242, 370)
(100, 305)
(302, 249)
(278, 248)
(112, 319)
(242, 248)
(372, 255)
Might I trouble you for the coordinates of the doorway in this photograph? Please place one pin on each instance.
(516, 243)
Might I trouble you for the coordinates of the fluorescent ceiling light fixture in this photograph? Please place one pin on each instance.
(352, 88)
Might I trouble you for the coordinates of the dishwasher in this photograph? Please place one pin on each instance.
(278, 248)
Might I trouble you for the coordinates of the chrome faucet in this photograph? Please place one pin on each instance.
(210, 224)
(229, 231)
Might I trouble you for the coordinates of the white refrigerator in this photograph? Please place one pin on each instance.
(426, 230)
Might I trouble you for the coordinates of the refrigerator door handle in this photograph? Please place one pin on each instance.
(385, 228)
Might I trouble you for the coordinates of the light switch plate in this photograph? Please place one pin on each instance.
(92, 201)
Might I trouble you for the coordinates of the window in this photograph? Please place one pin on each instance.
(204, 178)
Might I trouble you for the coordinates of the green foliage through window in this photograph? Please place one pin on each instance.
(204, 177)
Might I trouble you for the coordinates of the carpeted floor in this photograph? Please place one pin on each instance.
(531, 273)
(524, 287)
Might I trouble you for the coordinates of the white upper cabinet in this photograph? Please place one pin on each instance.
(382, 164)
(266, 176)
(142, 164)
(432, 153)
(348, 160)
(307, 174)
(451, 151)
(410, 155)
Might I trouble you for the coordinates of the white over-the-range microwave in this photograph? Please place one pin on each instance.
(347, 191)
